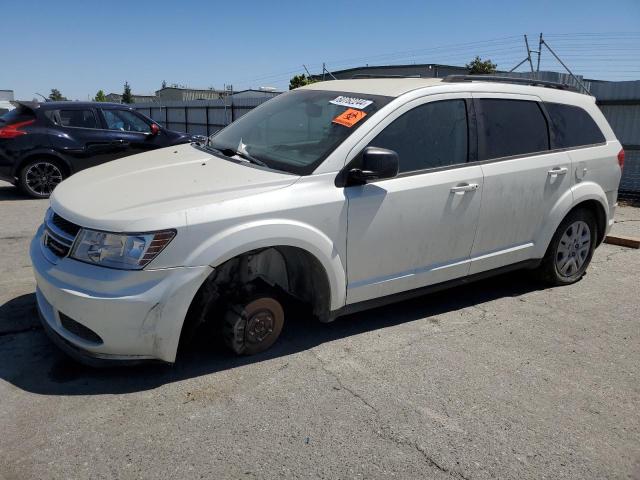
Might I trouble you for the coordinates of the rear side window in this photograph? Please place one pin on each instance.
(572, 126)
(510, 127)
(429, 136)
(77, 118)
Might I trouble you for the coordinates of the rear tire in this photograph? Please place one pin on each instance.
(39, 177)
(254, 324)
(570, 250)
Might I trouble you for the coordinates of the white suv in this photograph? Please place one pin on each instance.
(343, 194)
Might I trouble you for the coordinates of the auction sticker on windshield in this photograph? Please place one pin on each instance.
(349, 117)
(351, 102)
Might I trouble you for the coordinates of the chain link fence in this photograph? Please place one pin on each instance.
(199, 117)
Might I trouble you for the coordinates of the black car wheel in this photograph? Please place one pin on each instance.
(570, 250)
(39, 177)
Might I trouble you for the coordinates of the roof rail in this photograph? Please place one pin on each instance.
(519, 80)
(373, 75)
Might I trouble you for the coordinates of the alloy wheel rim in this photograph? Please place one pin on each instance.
(42, 177)
(573, 249)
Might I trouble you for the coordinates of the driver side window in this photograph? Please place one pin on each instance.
(429, 136)
(125, 121)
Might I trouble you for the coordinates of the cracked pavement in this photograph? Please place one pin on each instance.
(500, 379)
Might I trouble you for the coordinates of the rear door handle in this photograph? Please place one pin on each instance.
(554, 172)
(467, 187)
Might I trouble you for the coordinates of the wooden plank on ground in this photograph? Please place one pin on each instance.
(623, 241)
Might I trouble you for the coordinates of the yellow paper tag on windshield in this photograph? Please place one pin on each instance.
(349, 117)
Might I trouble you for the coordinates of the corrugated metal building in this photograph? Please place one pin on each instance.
(117, 98)
(251, 93)
(6, 95)
(620, 103)
(173, 94)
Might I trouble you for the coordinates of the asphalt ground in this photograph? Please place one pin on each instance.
(500, 379)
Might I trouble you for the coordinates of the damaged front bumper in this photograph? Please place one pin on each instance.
(94, 312)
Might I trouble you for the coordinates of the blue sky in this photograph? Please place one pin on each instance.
(82, 46)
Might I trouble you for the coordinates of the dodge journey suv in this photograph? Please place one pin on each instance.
(342, 195)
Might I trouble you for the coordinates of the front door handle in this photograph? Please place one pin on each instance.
(554, 172)
(467, 187)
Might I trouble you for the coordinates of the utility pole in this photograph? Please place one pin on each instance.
(528, 57)
(565, 67)
(324, 69)
(306, 69)
(526, 42)
(539, 52)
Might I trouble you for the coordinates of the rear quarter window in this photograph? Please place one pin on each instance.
(572, 126)
(77, 118)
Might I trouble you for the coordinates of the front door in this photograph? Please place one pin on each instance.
(131, 132)
(418, 228)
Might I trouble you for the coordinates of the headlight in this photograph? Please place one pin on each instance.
(118, 250)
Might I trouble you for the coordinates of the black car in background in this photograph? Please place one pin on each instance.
(43, 143)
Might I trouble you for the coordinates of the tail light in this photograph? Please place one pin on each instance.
(621, 158)
(13, 130)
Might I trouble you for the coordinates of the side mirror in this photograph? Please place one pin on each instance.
(377, 163)
(155, 129)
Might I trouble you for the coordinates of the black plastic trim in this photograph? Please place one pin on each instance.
(398, 297)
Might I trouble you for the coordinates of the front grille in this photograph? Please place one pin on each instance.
(58, 248)
(59, 234)
(65, 225)
(79, 330)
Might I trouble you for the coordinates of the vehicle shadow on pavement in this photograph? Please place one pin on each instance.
(9, 192)
(29, 361)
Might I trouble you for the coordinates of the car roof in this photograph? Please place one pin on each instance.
(398, 86)
(74, 105)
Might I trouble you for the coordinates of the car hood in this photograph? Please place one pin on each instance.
(155, 190)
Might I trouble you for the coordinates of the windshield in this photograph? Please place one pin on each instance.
(297, 130)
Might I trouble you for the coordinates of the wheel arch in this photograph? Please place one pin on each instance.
(291, 269)
(280, 234)
(587, 195)
(44, 154)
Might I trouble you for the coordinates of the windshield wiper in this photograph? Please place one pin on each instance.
(230, 152)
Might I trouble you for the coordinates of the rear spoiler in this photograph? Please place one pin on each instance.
(29, 105)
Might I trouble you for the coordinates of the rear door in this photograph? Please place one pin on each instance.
(130, 130)
(415, 229)
(523, 180)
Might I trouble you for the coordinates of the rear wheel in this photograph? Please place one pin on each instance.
(570, 250)
(253, 325)
(39, 177)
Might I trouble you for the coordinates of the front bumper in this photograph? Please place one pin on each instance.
(138, 315)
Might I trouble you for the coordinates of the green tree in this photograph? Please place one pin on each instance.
(127, 97)
(100, 97)
(56, 95)
(477, 65)
(300, 81)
